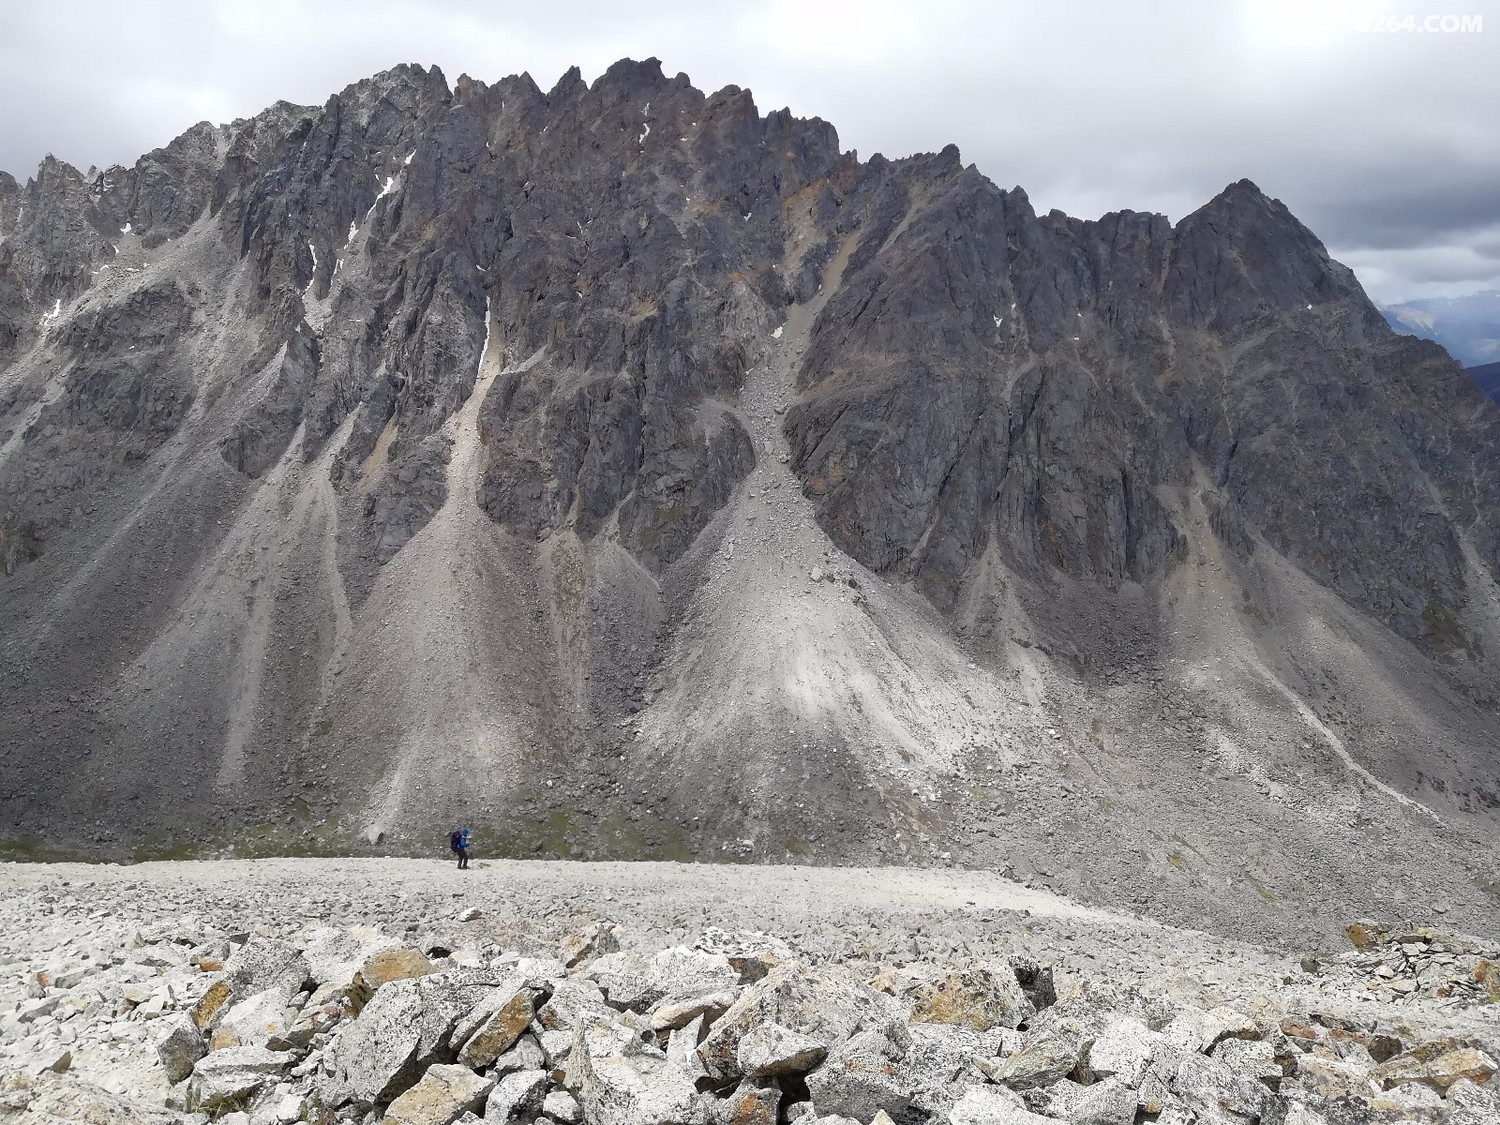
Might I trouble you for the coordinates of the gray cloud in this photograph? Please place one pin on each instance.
(1384, 144)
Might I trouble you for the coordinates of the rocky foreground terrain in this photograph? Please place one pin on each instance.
(407, 993)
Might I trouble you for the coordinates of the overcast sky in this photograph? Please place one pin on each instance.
(1386, 143)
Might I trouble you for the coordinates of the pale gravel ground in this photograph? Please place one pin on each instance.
(943, 915)
(60, 917)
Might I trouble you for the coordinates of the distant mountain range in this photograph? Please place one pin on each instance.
(1469, 327)
(1487, 375)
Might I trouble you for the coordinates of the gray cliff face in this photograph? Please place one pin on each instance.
(467, 453)
(1053, 377)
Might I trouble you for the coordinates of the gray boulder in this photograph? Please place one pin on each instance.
(527, 1054)
(632, 1089)
(940, 1064)
(263, 963)
(261, 1016)
(864, 1075)
(574, 1001)
(180, 1046)
(1124, 1050)
(826, 1004)
(992, 1105)
(494, 1026)
(769, 1050)
(666, 978)
(1043, 1059)
(444, 1094)
(668, 1015)
(1210, 1088)
(1110, 1102)
(516, 1096)
(224, 1080)
(404, 1027)
(1250, 1058)
(563, 1107)
(979, 997)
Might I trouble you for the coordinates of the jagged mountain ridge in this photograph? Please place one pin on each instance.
(465, 453)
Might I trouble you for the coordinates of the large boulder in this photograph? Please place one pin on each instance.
(769, 1050)
(980, 997)
(1438, 1065)
(1212, 1090)
(1043, 1059)
(180, 1046)
(940, 1062)
(826, 1005)
(1333, 1078)
(1110, 1102)
(407, 1023)
(751, 1104)
(262, 1015)
(517, 1096)
(387, 965)
(503, 1020)
(525, 1055)
(638, 983)
(1250, 1058)
(671, 1014)
(444, 1094)
(1472, 1104)
(864, 1075)
(1196, 1030)
(319, 1015)
(263, 963)
(751, 954)
(573, 1001)
(992, 1105)
(225, 1080)
(562, 1106)
(1125, 1049)
(682, 1050)
(334, 954)
(624, 1085)
(590, 942)
(205, 1011)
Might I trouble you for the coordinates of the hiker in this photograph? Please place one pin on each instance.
(458, 843)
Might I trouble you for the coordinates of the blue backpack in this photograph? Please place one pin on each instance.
(455, 840)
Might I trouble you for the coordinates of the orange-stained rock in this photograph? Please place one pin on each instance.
(210, 1003)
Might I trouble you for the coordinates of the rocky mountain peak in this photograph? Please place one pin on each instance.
(1243, 255)
(472, 454)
